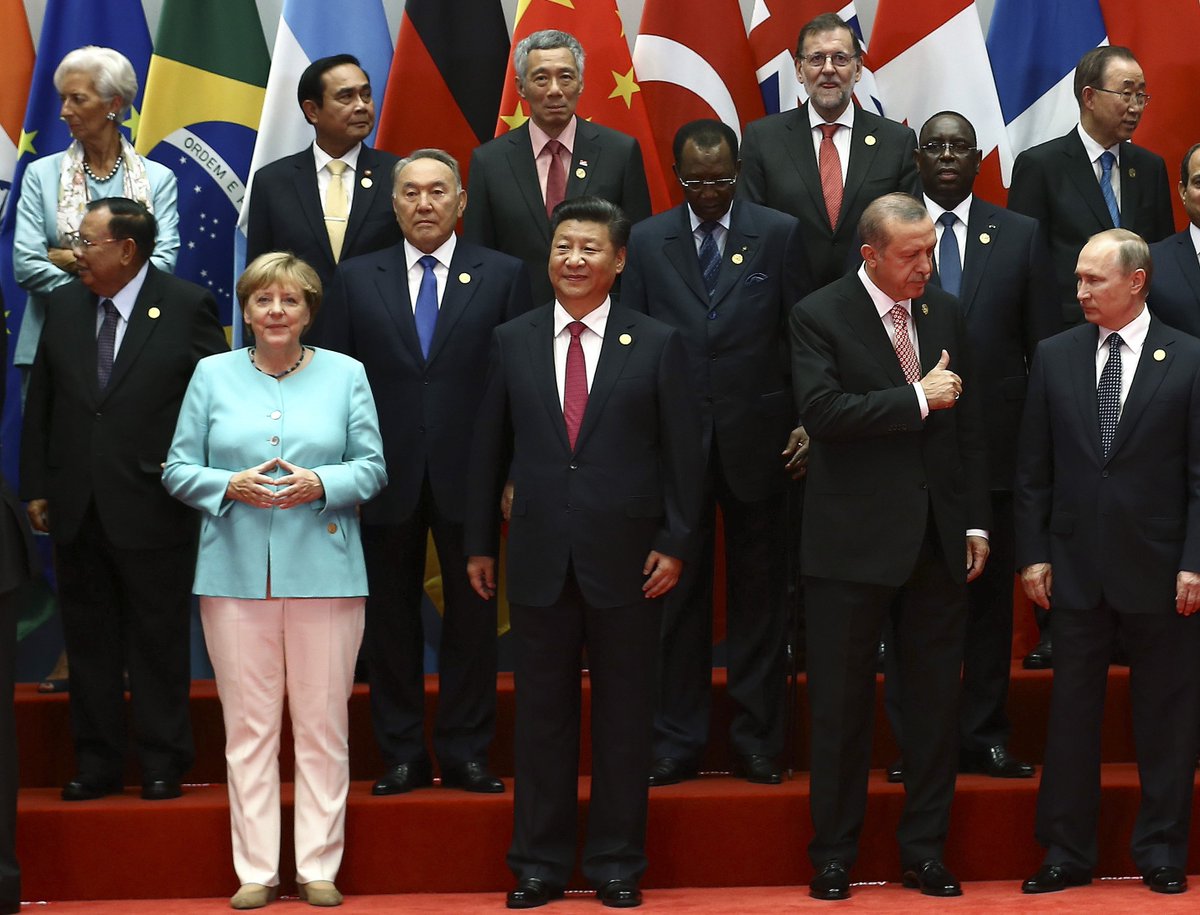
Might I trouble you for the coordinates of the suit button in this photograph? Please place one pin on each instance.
(1104, 473)
(275, 414)
(712, 356)
(712, 316)
(574, 466)
(420, 428)
(924, 485)
(332, 528)
(424, 381)
(273, 440)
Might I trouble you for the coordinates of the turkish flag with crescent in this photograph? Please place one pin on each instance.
(611, 95)
(694, 66)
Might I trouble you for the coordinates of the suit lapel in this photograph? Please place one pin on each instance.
(863, 148)
(463, 279)
(137, 334)
(861, 312)
(805, 159)
(1079, 168)
(308, 197)
(392, 284)
(541, 365)
(1146, 381)
(83, 339)
(613, 356)
(1189, 266)
(680, 251)
(980, 224)
(362, 197)
(1083, 372)
(525, 178)
(740, 247)
(585, 158)
(932, 337)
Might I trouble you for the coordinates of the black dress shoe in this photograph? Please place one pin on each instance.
(1166, 880)
(1051, 878)
(620, 894)
(895, 771)
(831, 882)
(404, 777)
(932, 878)
(531, 893)
(996, 762)
(160, 789)
(671, 771)
(1042, 656)
(761, 770)
(472, 776)
(84, 789)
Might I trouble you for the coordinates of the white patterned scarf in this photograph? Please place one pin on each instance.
(73, 189)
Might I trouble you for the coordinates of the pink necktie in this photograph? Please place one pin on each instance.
(575, 391)
(903, 343)
(556, 178)
(830, 166)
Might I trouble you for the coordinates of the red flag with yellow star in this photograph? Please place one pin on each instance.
(611, 95)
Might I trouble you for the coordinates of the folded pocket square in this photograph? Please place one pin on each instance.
(755, 278)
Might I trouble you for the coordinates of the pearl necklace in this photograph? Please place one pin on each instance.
(91, 174)
(303, 349)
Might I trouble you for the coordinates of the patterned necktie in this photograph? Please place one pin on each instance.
(106, 342)
(710, 257)
(830, 166)
(426, 311)
(337, 209)
(556, 177)
(1108, 394)
(903, 344)
(1107, 161)
(575, 390)
(949, 263)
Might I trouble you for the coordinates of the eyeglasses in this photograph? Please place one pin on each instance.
(958, 148)
(817, 59)
(699, 184)
(75, 240)
(1127, 96)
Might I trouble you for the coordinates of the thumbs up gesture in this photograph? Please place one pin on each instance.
(941, 386)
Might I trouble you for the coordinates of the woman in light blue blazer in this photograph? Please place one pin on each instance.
(276, 446)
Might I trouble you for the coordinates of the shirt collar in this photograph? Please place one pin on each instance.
(883, 302)
(539, 138)
(1094, 150)
(1195, 233)
(962, 211)
(846, 118)
(126, 297)
(323, 158)
(595, 320)
(696, 220)
(1132, 334)
(443, 253)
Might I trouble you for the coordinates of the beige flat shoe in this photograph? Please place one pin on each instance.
(319, 892)
(253, 896)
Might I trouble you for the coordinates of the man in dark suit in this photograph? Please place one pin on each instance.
(1093, 178)
(1175, 287)
(1108, 538)
(998, 265)
(298, 204)
(587, 411)
(420, 316)
(896, 501)
(112, 367)
(726, 275)
(826, 160)
(516, 179)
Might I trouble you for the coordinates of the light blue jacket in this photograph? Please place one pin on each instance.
(322, 418)
(36, 232)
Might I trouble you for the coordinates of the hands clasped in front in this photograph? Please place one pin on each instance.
(298, 486)
(941, 386)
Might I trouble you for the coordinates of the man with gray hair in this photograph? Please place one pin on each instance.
(419, 315)
(895, 522)
(517, 179)
(1107, 503)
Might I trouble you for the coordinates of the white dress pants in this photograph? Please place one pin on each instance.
(260, 651)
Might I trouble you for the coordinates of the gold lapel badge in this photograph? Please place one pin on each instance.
(154, 312)
(984, 238)
(737, 258)
(464, 278)
(924, 309)
(869, 139)
(580, 173)
(624, 339)
(1160, 355)
(1133, 173)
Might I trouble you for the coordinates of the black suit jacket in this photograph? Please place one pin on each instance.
(1174, 296)
(80, 445)
(506, 211)
(630, 485)
(1007, 295)
(1117, 529)
(875, 470)
(737, 341)
(287, 214)
(1055, 183)
(427, 408)
(779, 169)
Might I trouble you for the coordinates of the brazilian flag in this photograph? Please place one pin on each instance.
(204, 94)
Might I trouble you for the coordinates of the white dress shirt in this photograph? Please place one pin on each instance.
(1194, 230)
(1094, 151)
(123, 301)
(1133, 338)
(963, 212)
(441, 270)
(720, 233)
(591, 340)
(841, 138)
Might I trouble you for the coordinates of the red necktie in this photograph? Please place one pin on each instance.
(830, 165)
(575, 390)
(903, 343)
(556, 178)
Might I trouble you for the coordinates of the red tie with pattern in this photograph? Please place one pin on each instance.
(556, 178)
(903, 343)
(575, 390)
(830, 166)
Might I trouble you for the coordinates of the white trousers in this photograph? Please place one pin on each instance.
(260, 650)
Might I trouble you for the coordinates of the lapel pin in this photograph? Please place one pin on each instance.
(366, 178)
(737, 258)
(624, 339)
(580, 173)
(464, 278)
(869, 139)
(924, 309)
(1160, 355)
(154, 312)
(984, 238)
(1133, 173)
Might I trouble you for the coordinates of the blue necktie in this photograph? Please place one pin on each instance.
(949, 264)
(426, 311)
(1108, 394)
(710, 257)
(1107, 161)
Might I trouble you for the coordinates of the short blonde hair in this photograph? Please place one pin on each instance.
(276, 267)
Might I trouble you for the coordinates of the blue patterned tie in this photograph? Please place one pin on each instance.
(1108, 394)
(710, 257)
(106, 342)
(1107, 161)
(949, 263)
(426, 312)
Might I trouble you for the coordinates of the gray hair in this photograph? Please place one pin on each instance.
(111, 72)
(546, 40)
(873, 226)
(438, 155)
(1133, 253)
